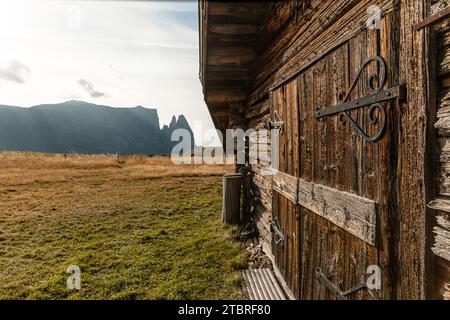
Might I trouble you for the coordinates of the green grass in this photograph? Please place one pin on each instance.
(133, 238)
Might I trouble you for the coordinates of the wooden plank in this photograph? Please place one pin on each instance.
(387, 174)
(234, 29)
(307, 270)
(286, 185)
(231, 198)
(413, 220)
(443, 175)
(443, 114)
(229, 95)
(296, 219)
(296, 131)
(354, 214)
(319, 97)
(306, 123)
(244, 10)
(259, 109)
(442, 280)
(441, 245)
(262, 217)
(230, 56)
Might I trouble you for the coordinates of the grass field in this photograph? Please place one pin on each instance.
(138, 227)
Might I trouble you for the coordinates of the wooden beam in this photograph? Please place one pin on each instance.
(354, 214)
(435, 18)
(243, 10)
(230, 56)
(240, 29)
(225, 95)
(231, 40)
(286, 185)
(219, 84)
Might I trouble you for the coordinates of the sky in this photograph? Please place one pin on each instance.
(115, 53)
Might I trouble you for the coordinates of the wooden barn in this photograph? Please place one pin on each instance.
(359, 92)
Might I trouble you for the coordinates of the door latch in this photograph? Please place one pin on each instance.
(278, 234)
(334, 289)
(276, 123)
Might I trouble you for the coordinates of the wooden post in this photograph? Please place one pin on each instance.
(231, 198)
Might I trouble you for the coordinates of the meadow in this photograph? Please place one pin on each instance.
(138, 227)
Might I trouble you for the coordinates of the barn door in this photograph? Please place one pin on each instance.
(286, 212)
(343, 216)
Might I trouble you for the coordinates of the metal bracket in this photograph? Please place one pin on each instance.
(375, 101)
(279, 235)
(438, 17)
(277, 123)
(334, 289)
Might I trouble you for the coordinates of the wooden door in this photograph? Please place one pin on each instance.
(352, 178)
(286, 213)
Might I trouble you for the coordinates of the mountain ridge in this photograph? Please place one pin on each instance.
(82, 127)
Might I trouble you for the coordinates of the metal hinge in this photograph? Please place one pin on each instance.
(375, 101)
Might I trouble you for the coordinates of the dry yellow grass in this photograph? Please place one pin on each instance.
(28, 167)
(139, 228)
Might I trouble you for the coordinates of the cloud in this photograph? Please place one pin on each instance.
(15, 71)
(89, 87)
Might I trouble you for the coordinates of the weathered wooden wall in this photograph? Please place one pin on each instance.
(304, 55)
(309, 63)
(440, 97)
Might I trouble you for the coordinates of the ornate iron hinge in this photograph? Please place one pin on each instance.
(375, 101)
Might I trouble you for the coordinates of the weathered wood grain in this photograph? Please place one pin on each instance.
(441, 246)
(286, 185)
(442, 204)
(231, 198)
(354, 214)
(443, 114)
(306, 53)
(328, 28)
(413, 219)
(442, 281)
(262, 217)
(438, 6)
(259, 110)
(262, 188)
